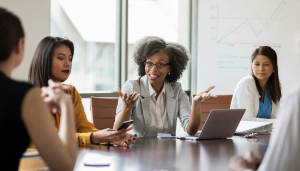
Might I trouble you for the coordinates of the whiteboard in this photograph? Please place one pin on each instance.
(230, 30)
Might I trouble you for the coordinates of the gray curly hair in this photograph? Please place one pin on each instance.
(147, 46)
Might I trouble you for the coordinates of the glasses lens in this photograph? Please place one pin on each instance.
(149, 64)
(160, 66)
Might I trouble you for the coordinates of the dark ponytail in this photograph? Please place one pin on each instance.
(11, 31)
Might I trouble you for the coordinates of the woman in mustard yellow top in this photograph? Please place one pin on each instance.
(53, 60)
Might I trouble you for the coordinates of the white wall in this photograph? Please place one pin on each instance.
(35, 17)
(228, 33)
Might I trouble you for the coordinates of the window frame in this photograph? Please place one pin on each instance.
(122, 43)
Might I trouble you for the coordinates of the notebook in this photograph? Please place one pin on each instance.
(246, 127)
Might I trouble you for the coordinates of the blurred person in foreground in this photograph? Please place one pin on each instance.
(283, 152)
(24, 115)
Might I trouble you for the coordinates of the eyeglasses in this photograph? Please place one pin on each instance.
(158, 65)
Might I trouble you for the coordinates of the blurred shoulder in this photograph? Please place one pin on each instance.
(294, 93)
(247, 81)
(176, 85)
(130, 82)
(135, 84)
(15, 88)
(18, 85)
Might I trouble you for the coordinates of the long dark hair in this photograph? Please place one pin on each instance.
(11, 31)
(41, 64)
(274, 78)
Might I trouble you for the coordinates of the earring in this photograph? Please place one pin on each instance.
(169, 73)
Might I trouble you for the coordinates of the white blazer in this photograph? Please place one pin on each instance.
(246, 96)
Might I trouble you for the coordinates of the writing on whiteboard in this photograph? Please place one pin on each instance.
(233, 62)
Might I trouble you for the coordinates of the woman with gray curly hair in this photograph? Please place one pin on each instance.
(155, 100)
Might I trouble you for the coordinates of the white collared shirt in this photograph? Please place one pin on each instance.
(158, 114)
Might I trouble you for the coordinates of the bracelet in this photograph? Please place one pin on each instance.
(79, 140)
(91, 138)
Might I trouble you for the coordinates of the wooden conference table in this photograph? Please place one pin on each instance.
(162, 154)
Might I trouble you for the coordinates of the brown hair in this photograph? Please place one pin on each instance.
(40, 67)
(274, 78)
(11, 31)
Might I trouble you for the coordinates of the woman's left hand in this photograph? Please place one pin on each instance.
(127, 141)
(204, 95)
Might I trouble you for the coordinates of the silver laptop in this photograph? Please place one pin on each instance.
(221, 123)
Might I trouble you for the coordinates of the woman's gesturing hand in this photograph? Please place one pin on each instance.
(129, 100)
(204, 95)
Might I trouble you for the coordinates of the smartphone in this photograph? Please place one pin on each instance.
(125, 125)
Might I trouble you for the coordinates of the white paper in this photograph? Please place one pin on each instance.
(245, 126)
(163, 135)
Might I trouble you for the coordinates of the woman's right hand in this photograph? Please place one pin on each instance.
(108, 135)
(249, 161)
(128, 100)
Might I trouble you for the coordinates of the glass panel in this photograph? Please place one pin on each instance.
(160, 18)
(86, 102)
(91, 26)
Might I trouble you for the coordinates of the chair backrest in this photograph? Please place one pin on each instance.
(103, 111)
(221, 102)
